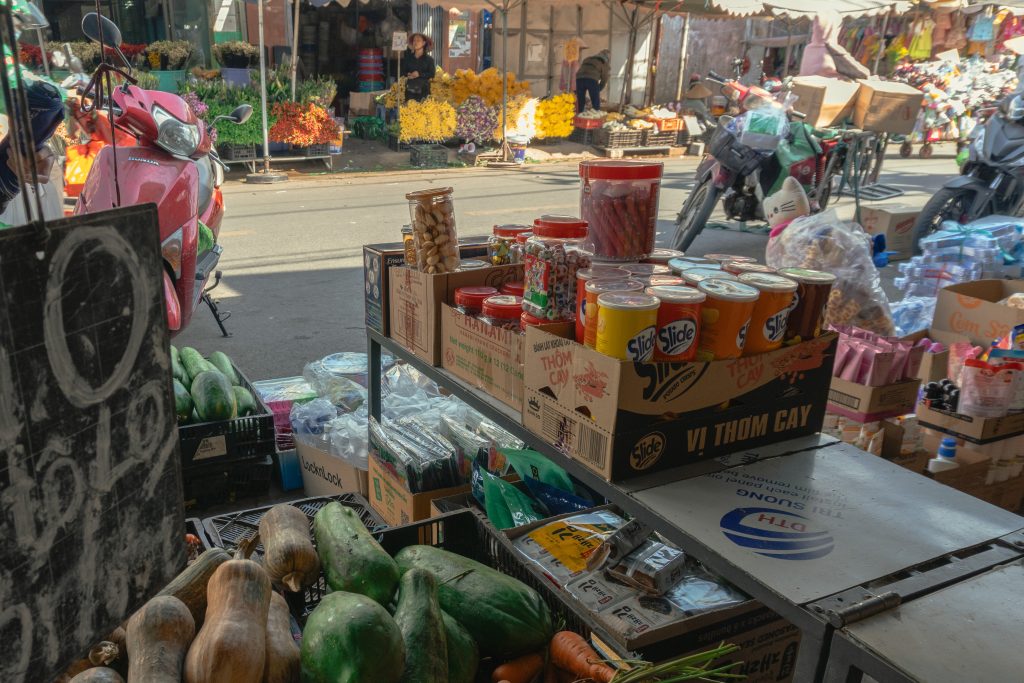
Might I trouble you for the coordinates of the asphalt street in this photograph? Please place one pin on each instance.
(292, 260)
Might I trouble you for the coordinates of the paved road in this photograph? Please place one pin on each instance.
(293, 252)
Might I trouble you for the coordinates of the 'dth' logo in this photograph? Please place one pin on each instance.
(776, 533)
(647, 451)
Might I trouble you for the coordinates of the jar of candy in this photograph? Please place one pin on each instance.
(409, 244)
(503, 311)
(433, 225)
(515, 253)
(526, 320)
(470, 300)
(499, 244)
(619, 201)
(513, 288)
(553, 255)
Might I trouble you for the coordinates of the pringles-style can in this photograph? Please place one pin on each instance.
(807, 315)
(626, 325)
(678, 322)
(694, 276)
(738, 268)
(583, 276)
(594, 289)
(725, 318)
(771, 312)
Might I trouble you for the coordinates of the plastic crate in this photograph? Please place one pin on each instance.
(587, 124)
(429, 156)
(227, 531)
(683, 138)
(619, 139)
(233, 152)
(312, 151)
(584, 136)
(656, 139)
(194, 526)
(666, 125)
(396, 145)
(241, 437)
(226, 482)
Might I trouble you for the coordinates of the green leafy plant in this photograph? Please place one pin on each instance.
(248, 133)
(236, 54)
(170, 55)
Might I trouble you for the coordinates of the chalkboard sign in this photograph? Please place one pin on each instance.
(90, 482)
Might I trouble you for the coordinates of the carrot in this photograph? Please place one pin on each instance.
(520, 670)
(569, 651)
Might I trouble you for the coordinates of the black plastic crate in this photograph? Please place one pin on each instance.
(396, 145)
(683, 138)
(312, 151)
(226, 481)
(429, 156)
(652, 138)
(241, 437)
(235, 152)
(229, 530)
(584, 136)
(620, 139)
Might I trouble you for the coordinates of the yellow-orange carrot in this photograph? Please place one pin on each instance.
(520, 670)
(570, 652)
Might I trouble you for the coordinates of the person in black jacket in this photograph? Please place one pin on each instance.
(591, 78)
(418, 67)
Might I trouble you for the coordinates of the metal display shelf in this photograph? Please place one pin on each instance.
(827, 537)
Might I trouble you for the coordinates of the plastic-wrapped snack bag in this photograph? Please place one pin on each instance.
(823, 242)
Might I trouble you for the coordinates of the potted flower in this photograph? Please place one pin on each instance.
(308, 127)
(236, 57)
(167, 59)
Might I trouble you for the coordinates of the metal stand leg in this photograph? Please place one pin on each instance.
(373, 390)
(214, 305)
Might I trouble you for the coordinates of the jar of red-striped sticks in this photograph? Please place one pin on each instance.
(619, 201)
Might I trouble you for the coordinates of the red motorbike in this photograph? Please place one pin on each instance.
(173, 165)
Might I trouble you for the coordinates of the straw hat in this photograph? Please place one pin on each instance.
(699, 91)
(1015, 45)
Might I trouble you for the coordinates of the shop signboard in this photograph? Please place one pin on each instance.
(90, 480)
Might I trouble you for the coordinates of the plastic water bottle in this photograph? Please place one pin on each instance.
(946, 457)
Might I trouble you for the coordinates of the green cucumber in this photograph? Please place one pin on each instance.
(192, 361)
(220, 360)
(350, 638)
(507, 617)
(182, 402)
(174, 353)
(179, 373)
(463, 654)
(245, 401)
(419, 619)
(351, 558)
(212, 394)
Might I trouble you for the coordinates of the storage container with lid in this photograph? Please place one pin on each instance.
(678, 265)
(499, 244)
(513, 288)
(517, 249)
(737, 268)
(726, 317)
(552, 256)
(585, 275)
(694, 276)
(727, 258)
(588, 312)
(433, 223)
(409, 244)
(472, 264)
(663, 256)
(627, 325)
(769, 320)
(502, 311)
(646, 269)
(526, 320)
(470, 300)
(619, 199)
(679, 322)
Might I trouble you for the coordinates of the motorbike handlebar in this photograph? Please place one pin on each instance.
(712, 76)
(798, 114)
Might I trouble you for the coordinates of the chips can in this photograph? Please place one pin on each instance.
(594, 289)
(678, 322)
(678, 265)
(808, 312)
(740, 267)
(725, 318)
(771, 312)
(662, 256)
(660, 280)
(626, 325)
(583, 276)
(695, 276)
(730, 258)
(646, 269)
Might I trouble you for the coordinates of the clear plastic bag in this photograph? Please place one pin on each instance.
(292, 389)
(913, 314)
(338, 388)
(348, 438)
(423, 461)
(762, 128)
(823, 242)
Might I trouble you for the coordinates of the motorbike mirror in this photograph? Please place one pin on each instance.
(241, 113)
(96, 25)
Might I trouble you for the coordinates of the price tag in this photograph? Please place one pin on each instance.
(399, 41)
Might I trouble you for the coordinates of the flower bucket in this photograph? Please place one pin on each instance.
(238, 78)
(167, 81)
(518, 145)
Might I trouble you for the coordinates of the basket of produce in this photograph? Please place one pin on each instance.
(219, 414)
(653, 138)
(589, 122)
(619, 139)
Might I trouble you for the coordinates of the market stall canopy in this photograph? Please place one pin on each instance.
(740, 8)
(846, 8)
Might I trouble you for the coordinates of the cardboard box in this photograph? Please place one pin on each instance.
(935, 366)
(896, 222)
(972, 309)
(824, 101)
(485, 357)
(395, 503)
(887, 107)
(623, 419)
(324, 474)
(416, 299)
(868, 404)
(363, 103)
(979, 430)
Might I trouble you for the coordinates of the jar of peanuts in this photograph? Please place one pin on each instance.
(433, 224)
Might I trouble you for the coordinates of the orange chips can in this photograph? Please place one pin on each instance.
(678, 322)
(768, 321)
(725, 318)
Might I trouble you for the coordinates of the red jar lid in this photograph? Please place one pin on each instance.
(621, 170)
(511, 230)
(473, 297)
(566, 227)
(513, 288)
(523, 236)
(504, 307)
(526, 320)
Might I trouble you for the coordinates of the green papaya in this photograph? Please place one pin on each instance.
(350, 638)
(463, 653)
(220, 360)
(195, 419)
(245, 401)
(351, 558)
(419, 619)
(213, 397)
(507, 617)
(178, 372)
(182, 402)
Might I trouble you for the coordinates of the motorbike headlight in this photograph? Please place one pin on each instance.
(174, 135)
(170, 249)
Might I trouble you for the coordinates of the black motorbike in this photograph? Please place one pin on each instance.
(991, 182)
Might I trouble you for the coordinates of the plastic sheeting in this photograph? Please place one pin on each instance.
(847, 8)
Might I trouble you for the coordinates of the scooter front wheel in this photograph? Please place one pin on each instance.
(695, 213)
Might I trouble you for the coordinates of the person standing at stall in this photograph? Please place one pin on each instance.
(418, 67)
(591, 78)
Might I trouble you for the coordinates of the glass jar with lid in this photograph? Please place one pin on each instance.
(433, 224)
(470, 300)
(556, 251)
(499, 244)
(502, 311)
(515, 253)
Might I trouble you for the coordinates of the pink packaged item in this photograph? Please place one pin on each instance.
(851, 369)
(958, 353)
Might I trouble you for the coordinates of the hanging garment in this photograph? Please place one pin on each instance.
(958, 34)
(921, 45)
(943, 25)
(982, 29)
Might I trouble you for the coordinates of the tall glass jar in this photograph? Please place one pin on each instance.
(516, 253)
(501, 241)
(619, 200)
(433, 224)
(552, 257)
(502, 311)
